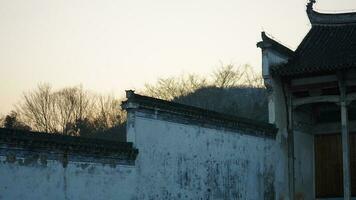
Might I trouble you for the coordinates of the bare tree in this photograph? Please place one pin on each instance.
(250, 78)
(2, 119)
(231, 89)
(73, 104)
(226, 76)
(69, 111)
(75, 111)
(38, 109)
(108, 113)
(170, 88)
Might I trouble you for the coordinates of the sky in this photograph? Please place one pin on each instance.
(109, 46)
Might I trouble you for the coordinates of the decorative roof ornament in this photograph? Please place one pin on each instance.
(328, 47)
(310, 5)
(329, 19)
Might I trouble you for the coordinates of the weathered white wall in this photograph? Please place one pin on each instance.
(175, 161)
(304, 165)
(277, 115)
(304, 153)
(271, 58)
(50, 180)
(181, 161)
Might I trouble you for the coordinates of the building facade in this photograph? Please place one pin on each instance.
(174, 151)
(312, 103)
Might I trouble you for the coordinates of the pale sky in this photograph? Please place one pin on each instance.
(112, 45)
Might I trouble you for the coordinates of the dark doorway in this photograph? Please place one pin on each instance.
(328, 165)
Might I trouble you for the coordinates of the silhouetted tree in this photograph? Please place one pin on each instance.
(75, 111)
(73, 104)
(70, 111)
(225, 76)
(38, 109)
(230, 89)
(11, 122)
(169, 88)
(108, 113)
(2, 119)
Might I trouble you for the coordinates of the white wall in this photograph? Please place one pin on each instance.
(78, 180)
(278, 116)
(191, 162)
(175, 161)
(304, 165)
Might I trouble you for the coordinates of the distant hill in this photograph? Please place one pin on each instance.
(240, 101)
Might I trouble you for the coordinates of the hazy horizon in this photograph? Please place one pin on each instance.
(109, 46)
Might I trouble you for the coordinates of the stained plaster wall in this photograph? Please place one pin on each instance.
(176, 160)
(304, 165)
(42, 178)
(303, 137)
(278, 116)
(303, 146)
(304, 153)
(185, 161)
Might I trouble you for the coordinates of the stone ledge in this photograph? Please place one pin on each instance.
(68, 145)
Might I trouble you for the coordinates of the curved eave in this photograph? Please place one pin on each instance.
(268, 42)
(326, 19)
(329, 46)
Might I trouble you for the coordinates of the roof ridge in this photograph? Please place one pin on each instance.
(329, 46)
(329, 19)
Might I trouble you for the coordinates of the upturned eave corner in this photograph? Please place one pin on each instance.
(129, 103)
(263, 44)
(310, 5)
(270, 43)
(329, 19)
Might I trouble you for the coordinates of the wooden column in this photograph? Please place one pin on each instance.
(291, 157)
(345, 140)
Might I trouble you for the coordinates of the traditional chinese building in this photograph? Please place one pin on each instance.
(175, 151)
(312, 93)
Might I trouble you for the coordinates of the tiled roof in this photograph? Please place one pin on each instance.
(330, 45)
